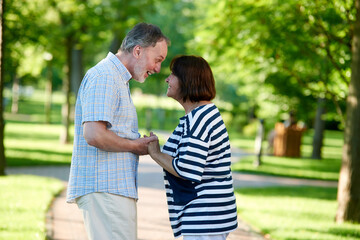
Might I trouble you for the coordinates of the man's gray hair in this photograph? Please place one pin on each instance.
(144, 35)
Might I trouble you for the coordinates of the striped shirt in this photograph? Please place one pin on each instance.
(104, 96)
(202, 201)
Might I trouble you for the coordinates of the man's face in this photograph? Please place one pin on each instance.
(149, 61)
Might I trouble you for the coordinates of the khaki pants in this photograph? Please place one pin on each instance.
(108, 216)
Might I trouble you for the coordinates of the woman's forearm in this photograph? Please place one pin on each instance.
(165, 161)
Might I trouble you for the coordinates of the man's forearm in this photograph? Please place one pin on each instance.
(97, 135)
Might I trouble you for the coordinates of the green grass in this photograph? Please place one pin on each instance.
(24, 201)
(304, 167)
(326, 169)
(29, 144)
(295, 213)
(28, 140)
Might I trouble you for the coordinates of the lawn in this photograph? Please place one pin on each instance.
(304, 167)
(24, 201)
(295, 213)
(29, 144)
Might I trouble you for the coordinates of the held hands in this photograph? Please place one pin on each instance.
(163, 159)
(153, 146)
(144, 142)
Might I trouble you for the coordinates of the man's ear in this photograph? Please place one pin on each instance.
(137, 51)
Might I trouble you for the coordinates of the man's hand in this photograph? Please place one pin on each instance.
(143, 143)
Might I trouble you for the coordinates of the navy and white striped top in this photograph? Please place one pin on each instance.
(202, 202)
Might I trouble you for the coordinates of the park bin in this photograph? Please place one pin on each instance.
(287, 141)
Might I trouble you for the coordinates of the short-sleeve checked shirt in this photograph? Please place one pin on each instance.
(104, 95)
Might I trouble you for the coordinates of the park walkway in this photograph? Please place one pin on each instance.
(64, 221)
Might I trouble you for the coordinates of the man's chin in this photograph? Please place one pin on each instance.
(140, 80)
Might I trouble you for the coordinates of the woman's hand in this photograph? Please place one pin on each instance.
(154, 146)
(164, 160)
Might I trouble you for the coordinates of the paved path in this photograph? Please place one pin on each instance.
(64, 221)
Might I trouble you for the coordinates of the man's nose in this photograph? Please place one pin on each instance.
(158, 67)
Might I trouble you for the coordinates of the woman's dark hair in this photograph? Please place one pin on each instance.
(144, 35)
(196, 79)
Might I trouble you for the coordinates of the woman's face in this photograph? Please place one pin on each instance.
(173, 90)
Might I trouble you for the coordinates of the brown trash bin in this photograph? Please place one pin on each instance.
(287, 140)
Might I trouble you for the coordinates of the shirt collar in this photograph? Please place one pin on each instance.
(126, 75)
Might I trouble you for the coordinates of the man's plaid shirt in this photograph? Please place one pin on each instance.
(104, 95)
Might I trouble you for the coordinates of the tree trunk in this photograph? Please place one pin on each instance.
(15, 94)
(2, 123)
(77, 71)
(65, 112)
(48, 93)
(115, 44)
(349, 180)
(319, 129)
(258, 143)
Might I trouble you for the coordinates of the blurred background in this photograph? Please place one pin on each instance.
(269, 58)
(278, 65)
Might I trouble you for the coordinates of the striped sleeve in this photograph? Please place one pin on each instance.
(191, 160)
(195, 143)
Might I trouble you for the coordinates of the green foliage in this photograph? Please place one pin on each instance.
(279, 55)
(268, 57)
(294, 213)
(24, 201)
(47, 27)
(177, 27)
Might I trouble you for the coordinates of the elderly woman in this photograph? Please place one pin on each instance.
(196, 157)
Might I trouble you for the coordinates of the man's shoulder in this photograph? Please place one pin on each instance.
(101, 69)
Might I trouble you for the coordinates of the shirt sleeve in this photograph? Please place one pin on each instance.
(190, 162)
(97, 99)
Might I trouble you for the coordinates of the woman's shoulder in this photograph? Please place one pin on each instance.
(204, 119)
(204, 110)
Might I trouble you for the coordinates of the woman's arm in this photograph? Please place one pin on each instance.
(164, 160)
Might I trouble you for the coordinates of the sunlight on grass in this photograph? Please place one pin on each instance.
(294, 213)
(24, 200)
(290, 167)
(34, 144)
(304, 167)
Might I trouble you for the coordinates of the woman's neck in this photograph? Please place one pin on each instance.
(189, 106)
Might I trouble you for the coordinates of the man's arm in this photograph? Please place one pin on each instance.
(97, 135)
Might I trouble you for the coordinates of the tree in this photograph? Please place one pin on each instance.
(178, 28)
(281, 55)
(2, 123)
(349, 180)
(79, 21)
(319, 129)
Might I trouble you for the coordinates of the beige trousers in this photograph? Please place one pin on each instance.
(108, 216)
